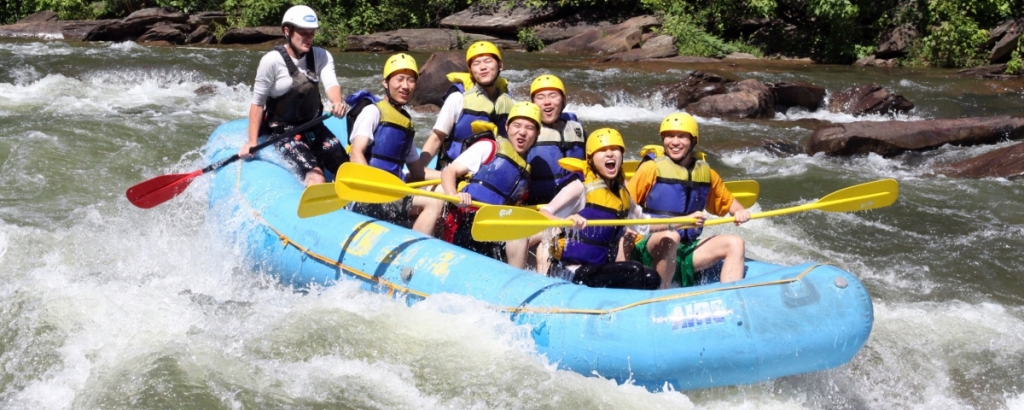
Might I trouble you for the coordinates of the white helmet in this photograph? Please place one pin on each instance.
(301, 17)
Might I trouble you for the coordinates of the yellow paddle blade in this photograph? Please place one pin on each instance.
(319, 199)
(870, 195)
(629, 167)
(494, 223)
(745, 191)
(363, 183)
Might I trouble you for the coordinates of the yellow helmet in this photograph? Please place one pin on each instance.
(526, 110)
(482, 47)
(604, 137)
(680, 122)
(546, 81)
(400, 61)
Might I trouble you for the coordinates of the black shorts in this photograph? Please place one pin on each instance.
(394, 212)
(316, 148)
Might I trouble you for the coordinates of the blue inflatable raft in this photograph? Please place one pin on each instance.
(778, 321)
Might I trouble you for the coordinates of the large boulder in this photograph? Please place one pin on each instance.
(657, 47)
(872, 61)
(252, 35)
(1002, 163)
(745, 99)
(891, 138)
(77, 30)
(207, 18)
(51, 29)
(896, 42)
(994, 71)
(1007, 42)
(166, 32)
(137, 23)
(433, 81)
(375, 43)
(496, 19)
(868, 99)
(606, 40)
(696, 86)
(201, 35)
(40, 17)
(558, 30)
(798, 94)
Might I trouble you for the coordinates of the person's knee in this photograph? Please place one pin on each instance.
(734, 244)
(663, 240)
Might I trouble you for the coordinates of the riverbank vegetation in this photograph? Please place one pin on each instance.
(944, 33)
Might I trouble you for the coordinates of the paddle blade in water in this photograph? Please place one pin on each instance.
(155, 191)
(746, 191)
(870, 195)
(506, 223)
(319, 199)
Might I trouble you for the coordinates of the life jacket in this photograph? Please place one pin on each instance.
(552, 145)
(501, 181)
(301, 102)
(393, 136)
(476, 106)
(597, 244)
(678, 191)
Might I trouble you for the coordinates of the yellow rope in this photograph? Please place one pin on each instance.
(393, 287)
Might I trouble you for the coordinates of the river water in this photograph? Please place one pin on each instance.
(106, 305)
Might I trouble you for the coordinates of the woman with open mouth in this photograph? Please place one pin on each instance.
(590, 255)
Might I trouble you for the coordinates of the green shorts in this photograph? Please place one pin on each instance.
(684, 260)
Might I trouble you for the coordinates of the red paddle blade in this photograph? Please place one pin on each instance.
(155, 191)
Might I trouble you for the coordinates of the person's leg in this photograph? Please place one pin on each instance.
(329, 151)
(618, 275)
(542, 242)
(729, 248)
(516, 252)
(426, 212)
(662, 248)
(299, 154)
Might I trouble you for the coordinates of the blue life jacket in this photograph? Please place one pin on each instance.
(678, 191)
(552, 145)
(503, 180)
(393, 136)
(596, 245)
(476, 106)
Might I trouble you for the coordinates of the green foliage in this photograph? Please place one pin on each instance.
(68, 9)
(955, 43)
(1016, 66)
(184, 6)
(528, 38)
(461, 39)
(692, 40)
(14, 10)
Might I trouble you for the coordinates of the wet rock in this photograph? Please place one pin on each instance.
(740, 56)
(252, 35)
(696, 86)
(205, 90)
(1002, 163)
(782, 148)
(201, 35)
(798, 94)
(133, 26)
(896, 42)
(40, 17)
(497, 20)
(868, 99)
(433, 83)
(427, 109)
(891, 138)
(657, 47)
(39, 29)
(376, 42)
(689, 60)
(745, 99)
(872, 61)
(207, 18)
(995, 71)
(1007, 42)
(78, 29)
(170, 33)
(606, 40)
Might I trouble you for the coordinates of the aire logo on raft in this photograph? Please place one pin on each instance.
(697, 314)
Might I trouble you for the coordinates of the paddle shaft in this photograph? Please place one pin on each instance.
(376, 186)
(273, 139)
